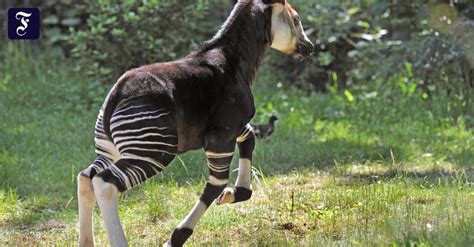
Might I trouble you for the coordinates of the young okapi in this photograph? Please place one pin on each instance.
(201, 101)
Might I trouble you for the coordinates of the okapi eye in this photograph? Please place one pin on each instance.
(296, 21)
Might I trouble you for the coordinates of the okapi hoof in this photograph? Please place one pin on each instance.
(226, 196)
(179, 236)
(233, 195)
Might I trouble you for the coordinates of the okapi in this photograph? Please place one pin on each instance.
(203, 100)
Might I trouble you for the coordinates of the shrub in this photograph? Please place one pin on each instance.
(127, 34)
(360, 41)
(57, 17)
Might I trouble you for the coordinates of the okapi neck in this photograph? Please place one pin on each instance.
(244, 39)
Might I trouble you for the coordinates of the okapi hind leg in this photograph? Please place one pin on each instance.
(145, 136)
(107, 199)
(129, 171)
(243, 185)
(219, 165)
(86, 199)
(86, 202)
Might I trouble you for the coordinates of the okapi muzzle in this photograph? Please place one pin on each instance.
(305, 48)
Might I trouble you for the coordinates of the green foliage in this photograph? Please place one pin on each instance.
(359, 42)
(373, 126)
(362, 41)
(57, 16)
(122, 35)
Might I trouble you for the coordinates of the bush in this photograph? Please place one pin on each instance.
(127, 34)
(360, 41)
(57, 17)
(361, 45)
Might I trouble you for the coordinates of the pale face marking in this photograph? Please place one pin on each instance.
(287, 30)
(283, 38)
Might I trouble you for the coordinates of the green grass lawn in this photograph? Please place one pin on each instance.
(378, 170)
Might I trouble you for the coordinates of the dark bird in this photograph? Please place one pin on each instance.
(262, 131)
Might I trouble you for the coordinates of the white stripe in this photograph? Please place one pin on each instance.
(100, 135)
(211, 155)
(217, 182)
(136, 157)
(128, 182)
(126, 109)
(154, 169)
(135, 180)
(137, 130)
(104, 154)
(244, 136)
(102, 163)
(111, 151)
(216, 168)
(129, 178)
(145, 149)
(139, 137)
(97, 168)
(142, 171)
(116, 173)
(154, 77)
(119, 146)
(120, 175)
(120, 123)
(114, 119)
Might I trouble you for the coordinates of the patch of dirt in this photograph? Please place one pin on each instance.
(286, 226)
(51, 225)
(291, 227)
(307, 181)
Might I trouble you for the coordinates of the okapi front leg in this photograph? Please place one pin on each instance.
(243, 184)
(219, 165)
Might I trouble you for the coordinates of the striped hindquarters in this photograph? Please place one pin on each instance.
(145, 137)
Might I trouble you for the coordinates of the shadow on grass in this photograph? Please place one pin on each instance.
(41, 212)
(425, 177)
(284, 155)
(458, 234)
(465, 158)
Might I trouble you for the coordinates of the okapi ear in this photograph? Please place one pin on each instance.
(274, 1)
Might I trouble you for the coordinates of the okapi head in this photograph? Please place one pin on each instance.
(287, 32)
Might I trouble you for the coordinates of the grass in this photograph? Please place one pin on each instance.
(370, 171)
